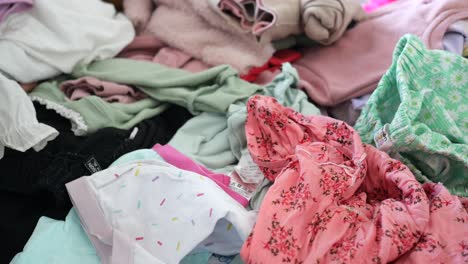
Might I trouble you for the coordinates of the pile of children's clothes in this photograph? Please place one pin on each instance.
(234, 131)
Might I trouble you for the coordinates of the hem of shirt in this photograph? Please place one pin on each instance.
(78, 123)
(93, 220)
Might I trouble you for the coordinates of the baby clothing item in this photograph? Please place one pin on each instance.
(19, 128)
(13, 6)
(372, 5)
(267, 19)
(217, 140)
(200, 31)
(336, 200)
(212, 90)
(419, 113)
(334, 74)
(55, 242)
(152, 212)
(325, 21)
(179, 160)
(109, 91)
(40, 43)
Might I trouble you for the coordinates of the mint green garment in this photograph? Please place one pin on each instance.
(65, 242)
(58, 242)
(419, 114)
(216, 140)
(213, 90)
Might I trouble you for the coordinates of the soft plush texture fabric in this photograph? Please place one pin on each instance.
(325, 21)
(286, 18)
(336, 200)
(243, 12)
(357, 61)
(195, 28)
(109, 91)
(419, 113)
(40, 43)
(13, 6)
(212, 90)
(133, 216)
(217, 140)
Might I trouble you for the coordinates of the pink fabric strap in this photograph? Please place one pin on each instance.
(174, 157)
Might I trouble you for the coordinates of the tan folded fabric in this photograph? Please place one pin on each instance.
(325, 21)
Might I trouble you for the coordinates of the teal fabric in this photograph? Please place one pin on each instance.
(58, 242)
(216, 140)
(213, 90)
(65, 242)
(141, 154)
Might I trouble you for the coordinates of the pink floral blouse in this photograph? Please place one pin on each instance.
(336, 200)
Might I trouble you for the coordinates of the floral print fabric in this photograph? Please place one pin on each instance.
(336, 200)
(423, 100)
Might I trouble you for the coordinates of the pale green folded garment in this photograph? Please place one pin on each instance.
(213, 90)
(419, 114)
(65, 242)
(216, 140)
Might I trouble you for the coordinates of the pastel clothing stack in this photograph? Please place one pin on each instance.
(354, 65)
(419, 114)
(198, 30)
(41, 43)
(336, 200)
(66, 242)
(132, 214)
(217, 140)
(213, 90)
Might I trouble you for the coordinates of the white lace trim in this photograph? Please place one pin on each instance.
(79, 126)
